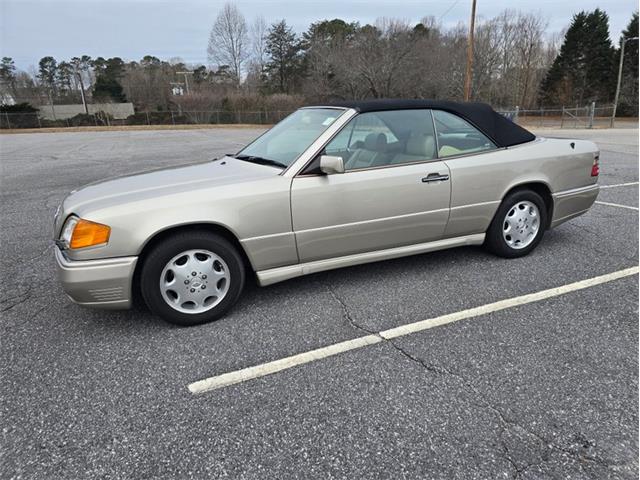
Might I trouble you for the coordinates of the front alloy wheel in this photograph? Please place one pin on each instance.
(194, 281)
(192, 277)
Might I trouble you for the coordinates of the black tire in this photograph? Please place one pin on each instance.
(495, 241)
(162, 253)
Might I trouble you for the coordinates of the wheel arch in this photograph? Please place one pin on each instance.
(541, 188)
(160, 235)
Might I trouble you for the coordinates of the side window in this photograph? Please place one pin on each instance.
(387, 138)
(340, 142)
(457, 136)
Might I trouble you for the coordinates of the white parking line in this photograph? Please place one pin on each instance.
(617, 205)
(268, 368)
(619, 185)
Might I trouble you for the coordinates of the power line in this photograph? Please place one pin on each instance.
(448, 10)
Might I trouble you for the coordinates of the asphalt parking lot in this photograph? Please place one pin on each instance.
(546, 389)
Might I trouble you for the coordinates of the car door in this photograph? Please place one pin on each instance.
(394, 190)
(478, 171)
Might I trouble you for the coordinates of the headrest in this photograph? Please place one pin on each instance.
(421, 144)
(376, 142)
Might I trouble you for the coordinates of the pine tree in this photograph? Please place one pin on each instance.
(600, 56)
(47, 71)
(107, 86)
(8, 73)
(283, 48)
(581, 73)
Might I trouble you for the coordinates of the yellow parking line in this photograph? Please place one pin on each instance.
(257, 371)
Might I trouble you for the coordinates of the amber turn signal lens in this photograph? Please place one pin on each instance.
(87, 233)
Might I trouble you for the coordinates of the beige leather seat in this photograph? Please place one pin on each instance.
(420, 146)
(370, 154)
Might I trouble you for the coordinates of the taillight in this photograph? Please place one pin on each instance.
(595, 168)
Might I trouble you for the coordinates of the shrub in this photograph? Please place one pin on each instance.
(20, 115)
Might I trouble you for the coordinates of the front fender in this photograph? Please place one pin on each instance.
(256, 212)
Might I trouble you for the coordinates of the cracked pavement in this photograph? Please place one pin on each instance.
(547, 390)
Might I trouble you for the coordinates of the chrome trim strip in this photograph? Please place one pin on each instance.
(576, 191)
(471, 154)
(66, 263)
(471, 205)
(366, 169)
(279, 274)
(263, 237)
(334, 107)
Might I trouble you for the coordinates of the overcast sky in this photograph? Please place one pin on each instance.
(31, 29)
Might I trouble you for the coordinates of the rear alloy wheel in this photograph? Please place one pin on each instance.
(521, 224)
(518, 225)
(192, 278)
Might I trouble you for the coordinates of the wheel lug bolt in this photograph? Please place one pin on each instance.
(193, 274)
(203, 287)
(186, 282)
(193, 290)
(204, 277)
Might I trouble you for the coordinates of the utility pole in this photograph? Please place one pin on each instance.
(467, 79)
(186, 79)
(77, 71)
(53, 109)
(615, 102)
(84, 100)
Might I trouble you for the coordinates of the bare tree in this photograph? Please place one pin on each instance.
(510, 58)
(228, 41)
(258, 41)
(530, 54)
(258, 55)
(383, 52)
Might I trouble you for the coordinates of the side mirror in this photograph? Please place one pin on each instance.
(330, 164)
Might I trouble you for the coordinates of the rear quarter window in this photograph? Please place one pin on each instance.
(456, 136)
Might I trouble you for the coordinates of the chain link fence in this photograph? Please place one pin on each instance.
(101, 119)
(591, 116)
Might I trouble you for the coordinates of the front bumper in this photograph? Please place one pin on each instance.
(102, 283)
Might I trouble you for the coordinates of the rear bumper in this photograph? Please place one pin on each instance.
(102, 283)
(571, 203)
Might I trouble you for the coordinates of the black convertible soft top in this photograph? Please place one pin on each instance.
(498, 128)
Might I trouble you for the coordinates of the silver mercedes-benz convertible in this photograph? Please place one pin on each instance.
(328, 187)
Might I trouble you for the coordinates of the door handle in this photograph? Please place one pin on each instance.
(435, 177)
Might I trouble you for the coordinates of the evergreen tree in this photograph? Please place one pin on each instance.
(285, 63)
(81, 67)
(328, 30)
(107, 85)
(64, 75)
(582, 71)
(8, 71)
(107, 88)
(600, 55)
(47, 73)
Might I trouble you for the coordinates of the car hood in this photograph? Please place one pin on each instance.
(163, 182)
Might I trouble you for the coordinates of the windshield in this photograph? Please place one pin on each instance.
(292, 136)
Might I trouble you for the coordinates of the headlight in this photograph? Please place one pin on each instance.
(81, 233)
